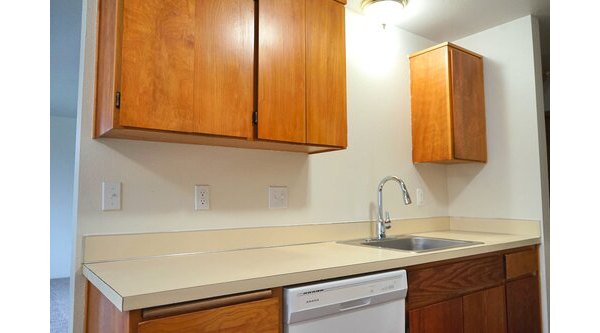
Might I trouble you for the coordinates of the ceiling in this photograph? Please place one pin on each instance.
(449, 20)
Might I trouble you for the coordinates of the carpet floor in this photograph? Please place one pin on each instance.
(59, 305)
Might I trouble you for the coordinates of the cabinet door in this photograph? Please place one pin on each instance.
(281, 70)
(224, 67)
(444, 317)
(325, 73)
(259, 316)
(485, 311)
(523, 305)
(430, 105)
(157, 78)
(468, 106)
(187, 66)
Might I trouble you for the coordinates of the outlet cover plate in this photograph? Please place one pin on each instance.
(278, 197)
(202, 201)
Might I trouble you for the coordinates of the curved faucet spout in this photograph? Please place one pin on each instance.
(383, 224)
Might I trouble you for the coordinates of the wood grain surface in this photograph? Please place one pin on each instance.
(523, 305)
(213, 140)
(104, 317)
(258, 316)
(521, 263)
(106, 65)
(439, 283)
(446, 317)
(431, 106)
(224, 67)
(158, 64)
(485, 311)
(326, 73)
(468, 106)
(281, 70)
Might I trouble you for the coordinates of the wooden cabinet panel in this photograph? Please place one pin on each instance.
(157, 72)
(194, 71)
(258, 316)
(106, 65)
(224, 67)
(444, 317)
(468, 106)
(485, 311)
(430, 106)
(104, 317)
(325, 73)
(523, 305)
(438, 283)
(281, 70)
(447, 105)
(521, 263)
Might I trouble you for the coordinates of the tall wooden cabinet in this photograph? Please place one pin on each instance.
(447, 105)
(267, 74)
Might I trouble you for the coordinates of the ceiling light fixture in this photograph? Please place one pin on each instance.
(384, 11)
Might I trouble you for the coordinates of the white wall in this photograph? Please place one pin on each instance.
(504, 186)
(158, 178)
(62, 162)
(511, 183)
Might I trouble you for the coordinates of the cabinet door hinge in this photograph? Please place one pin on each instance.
(118, 99)
(255, 117)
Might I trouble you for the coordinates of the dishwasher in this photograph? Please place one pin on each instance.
(370, 303)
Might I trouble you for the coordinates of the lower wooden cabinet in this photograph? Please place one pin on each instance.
(257, 316)
(485, 311)
(523, 305)
(444, 317)
(243, 313)
(493, 293)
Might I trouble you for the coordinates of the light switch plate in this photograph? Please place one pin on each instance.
(419, 197)
(202, 197)
(111, 196)
(278, 197)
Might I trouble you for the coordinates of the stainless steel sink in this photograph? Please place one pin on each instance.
(412, 243)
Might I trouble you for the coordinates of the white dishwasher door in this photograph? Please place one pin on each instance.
(371, 303)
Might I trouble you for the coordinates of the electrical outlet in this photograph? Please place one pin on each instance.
(202, 197)
(419, 197)
(278, 197)
(111, 196)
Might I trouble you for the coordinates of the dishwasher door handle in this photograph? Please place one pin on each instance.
(359, 303)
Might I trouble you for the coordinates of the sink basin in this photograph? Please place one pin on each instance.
(413, 243)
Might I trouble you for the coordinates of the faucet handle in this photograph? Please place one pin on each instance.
(387, 221)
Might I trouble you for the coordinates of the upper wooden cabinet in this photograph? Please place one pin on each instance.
(447, 105)
(266, 74)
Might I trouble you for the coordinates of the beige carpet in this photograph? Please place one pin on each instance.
(59, 305)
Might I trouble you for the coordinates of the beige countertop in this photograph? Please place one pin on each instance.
(146, 282)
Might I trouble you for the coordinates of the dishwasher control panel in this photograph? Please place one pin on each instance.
(392, 284)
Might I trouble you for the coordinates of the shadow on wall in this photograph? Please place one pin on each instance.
(158, 175)
(428, 173)
(460, 176)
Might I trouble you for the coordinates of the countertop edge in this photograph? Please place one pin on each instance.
(114, 297)
(135, 302)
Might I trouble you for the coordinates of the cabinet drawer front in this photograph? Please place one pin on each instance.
(521, 263)
(436, 284)
(258, 316)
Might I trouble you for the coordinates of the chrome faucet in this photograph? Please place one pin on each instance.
(383, 224)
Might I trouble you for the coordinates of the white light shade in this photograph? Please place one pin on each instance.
(385, 11)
